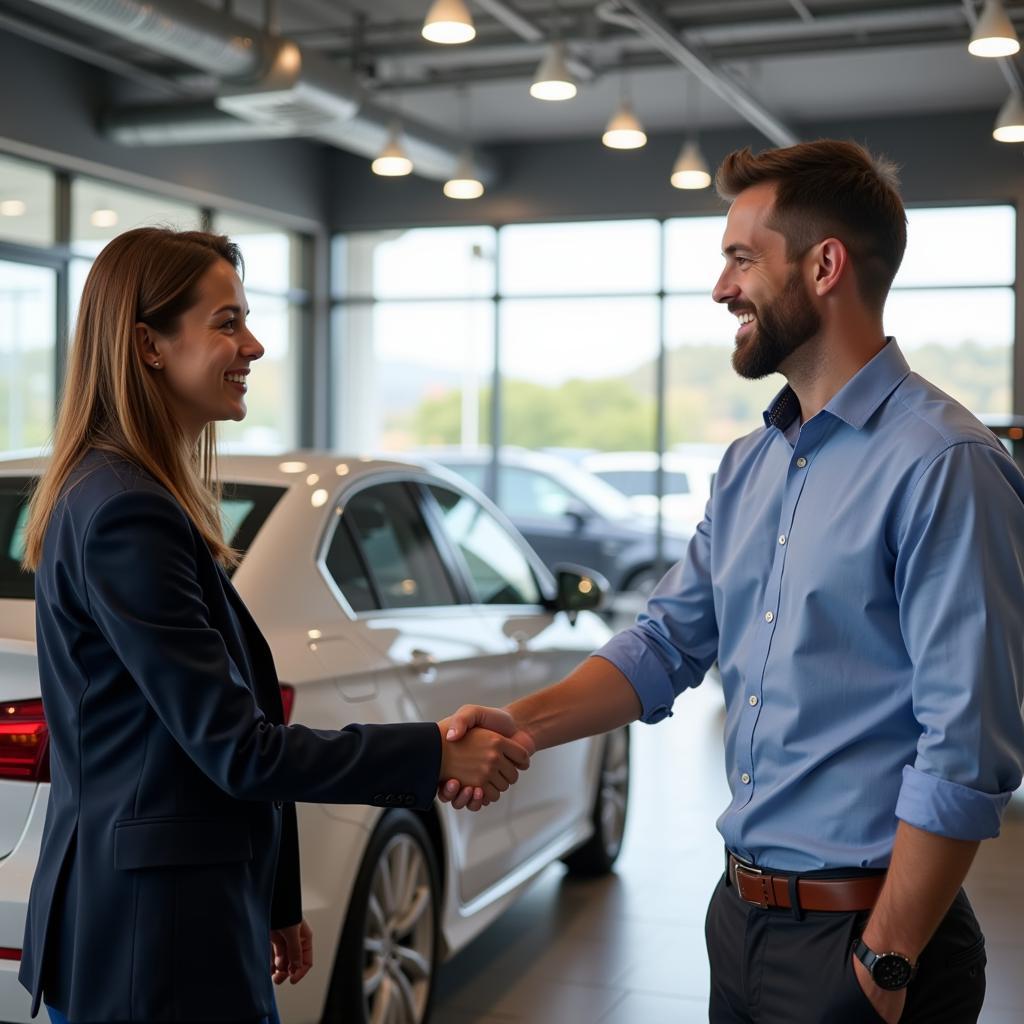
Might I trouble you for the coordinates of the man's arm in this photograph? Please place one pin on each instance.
(925, 873)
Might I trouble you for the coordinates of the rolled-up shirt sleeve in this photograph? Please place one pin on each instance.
(960, 585)
(674, 640)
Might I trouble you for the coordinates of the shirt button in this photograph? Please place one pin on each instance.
(753, 701)
(745, 779)
(801, 462)
(782, 538)
(769, 616)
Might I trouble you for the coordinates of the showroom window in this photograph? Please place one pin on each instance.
(278, 306)
(603, 341)
(44, 261)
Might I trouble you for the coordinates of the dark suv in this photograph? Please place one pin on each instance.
(570, 515)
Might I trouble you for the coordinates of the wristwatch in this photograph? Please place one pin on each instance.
(891, 971)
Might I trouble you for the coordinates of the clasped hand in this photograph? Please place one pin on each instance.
(484, 750)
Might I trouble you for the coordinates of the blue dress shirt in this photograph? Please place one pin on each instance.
(860, 579)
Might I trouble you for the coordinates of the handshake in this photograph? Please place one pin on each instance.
(483, 752)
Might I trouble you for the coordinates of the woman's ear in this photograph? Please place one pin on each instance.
(145, 342)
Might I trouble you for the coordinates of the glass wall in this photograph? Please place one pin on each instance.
(589, 329)
(277, 310)
(43, 267)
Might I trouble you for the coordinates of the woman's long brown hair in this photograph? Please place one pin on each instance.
(112, 400)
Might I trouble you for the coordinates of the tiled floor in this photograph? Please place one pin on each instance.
(629, 949)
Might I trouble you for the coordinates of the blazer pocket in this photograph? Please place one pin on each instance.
(179, 842)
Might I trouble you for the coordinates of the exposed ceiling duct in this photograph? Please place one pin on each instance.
(272, 85)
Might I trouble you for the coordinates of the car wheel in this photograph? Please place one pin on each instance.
(597, 855)
(387, 960)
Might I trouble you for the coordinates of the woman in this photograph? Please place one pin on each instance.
(169, 854)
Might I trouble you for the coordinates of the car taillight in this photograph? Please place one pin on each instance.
(7, 953)
(24, 741)
(288, 701)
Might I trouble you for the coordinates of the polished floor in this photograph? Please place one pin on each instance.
(629, 949)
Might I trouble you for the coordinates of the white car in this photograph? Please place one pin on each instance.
(388, 592)
(686, 483)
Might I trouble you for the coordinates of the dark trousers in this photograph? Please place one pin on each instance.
(769, 967)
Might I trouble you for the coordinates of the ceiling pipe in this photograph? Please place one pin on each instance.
(268, 82)
(664, 36)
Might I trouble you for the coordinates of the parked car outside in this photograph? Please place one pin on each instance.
(569, 515)
(686, 480)
(387, 592)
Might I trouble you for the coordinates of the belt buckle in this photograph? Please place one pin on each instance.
(750, 871)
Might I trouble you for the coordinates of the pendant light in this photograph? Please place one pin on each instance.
(103, 217)
(392, 161)
(1009, 126)
(691, 169)
(552, 80)
(449, 22)
(464, 184)
(994, 34)
(12, 207)
(624, 130)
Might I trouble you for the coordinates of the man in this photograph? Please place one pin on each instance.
(859, 575)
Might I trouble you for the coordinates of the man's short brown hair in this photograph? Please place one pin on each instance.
(829, 189)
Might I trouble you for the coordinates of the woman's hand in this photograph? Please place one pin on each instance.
(483, 759)
(291, 953)
(458, 725)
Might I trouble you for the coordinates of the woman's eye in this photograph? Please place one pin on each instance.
(229, 324)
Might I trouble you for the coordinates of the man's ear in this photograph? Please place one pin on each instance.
(145, 342)
(831, 262)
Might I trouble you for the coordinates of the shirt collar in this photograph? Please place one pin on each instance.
(857, 400)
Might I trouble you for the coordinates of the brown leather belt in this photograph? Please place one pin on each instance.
(838, 894)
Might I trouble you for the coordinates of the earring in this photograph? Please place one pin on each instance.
(156, 366)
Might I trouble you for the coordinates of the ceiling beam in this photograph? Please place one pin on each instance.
(664, 36)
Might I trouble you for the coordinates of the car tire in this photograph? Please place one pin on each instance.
(390, 941)
(599, 853)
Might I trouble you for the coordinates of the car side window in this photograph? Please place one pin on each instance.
(524, 493)
(404, 566)
(347, 569)
(499, 570)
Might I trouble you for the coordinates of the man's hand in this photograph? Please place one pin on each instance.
(455, 727)
(484, 759)
(888, 1005)
(291, 953)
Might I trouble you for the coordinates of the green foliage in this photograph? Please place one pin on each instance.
(706, 400)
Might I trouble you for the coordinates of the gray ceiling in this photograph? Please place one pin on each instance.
(801, 60)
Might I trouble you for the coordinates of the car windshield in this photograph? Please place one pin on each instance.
(244, 508)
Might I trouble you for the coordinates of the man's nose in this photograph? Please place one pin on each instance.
(724, 289)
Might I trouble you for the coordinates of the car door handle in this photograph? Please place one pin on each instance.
(424, 663)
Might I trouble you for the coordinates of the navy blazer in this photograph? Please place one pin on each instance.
(160, 875)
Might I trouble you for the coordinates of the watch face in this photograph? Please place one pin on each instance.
(891, 971)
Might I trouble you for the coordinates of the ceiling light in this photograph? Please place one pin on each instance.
(103, 218)
(1009, 125)
(994, 34)
(464, 184)
(392, 161)
(12, 208)
(691, 169)
(449, 21)
(553, 81)
(624, 131)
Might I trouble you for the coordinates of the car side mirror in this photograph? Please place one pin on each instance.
(579, 590)
(579, 514)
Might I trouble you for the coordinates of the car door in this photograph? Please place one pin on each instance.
(411, 609)
(553, 797)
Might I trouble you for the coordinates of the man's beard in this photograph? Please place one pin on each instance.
(781, 327)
